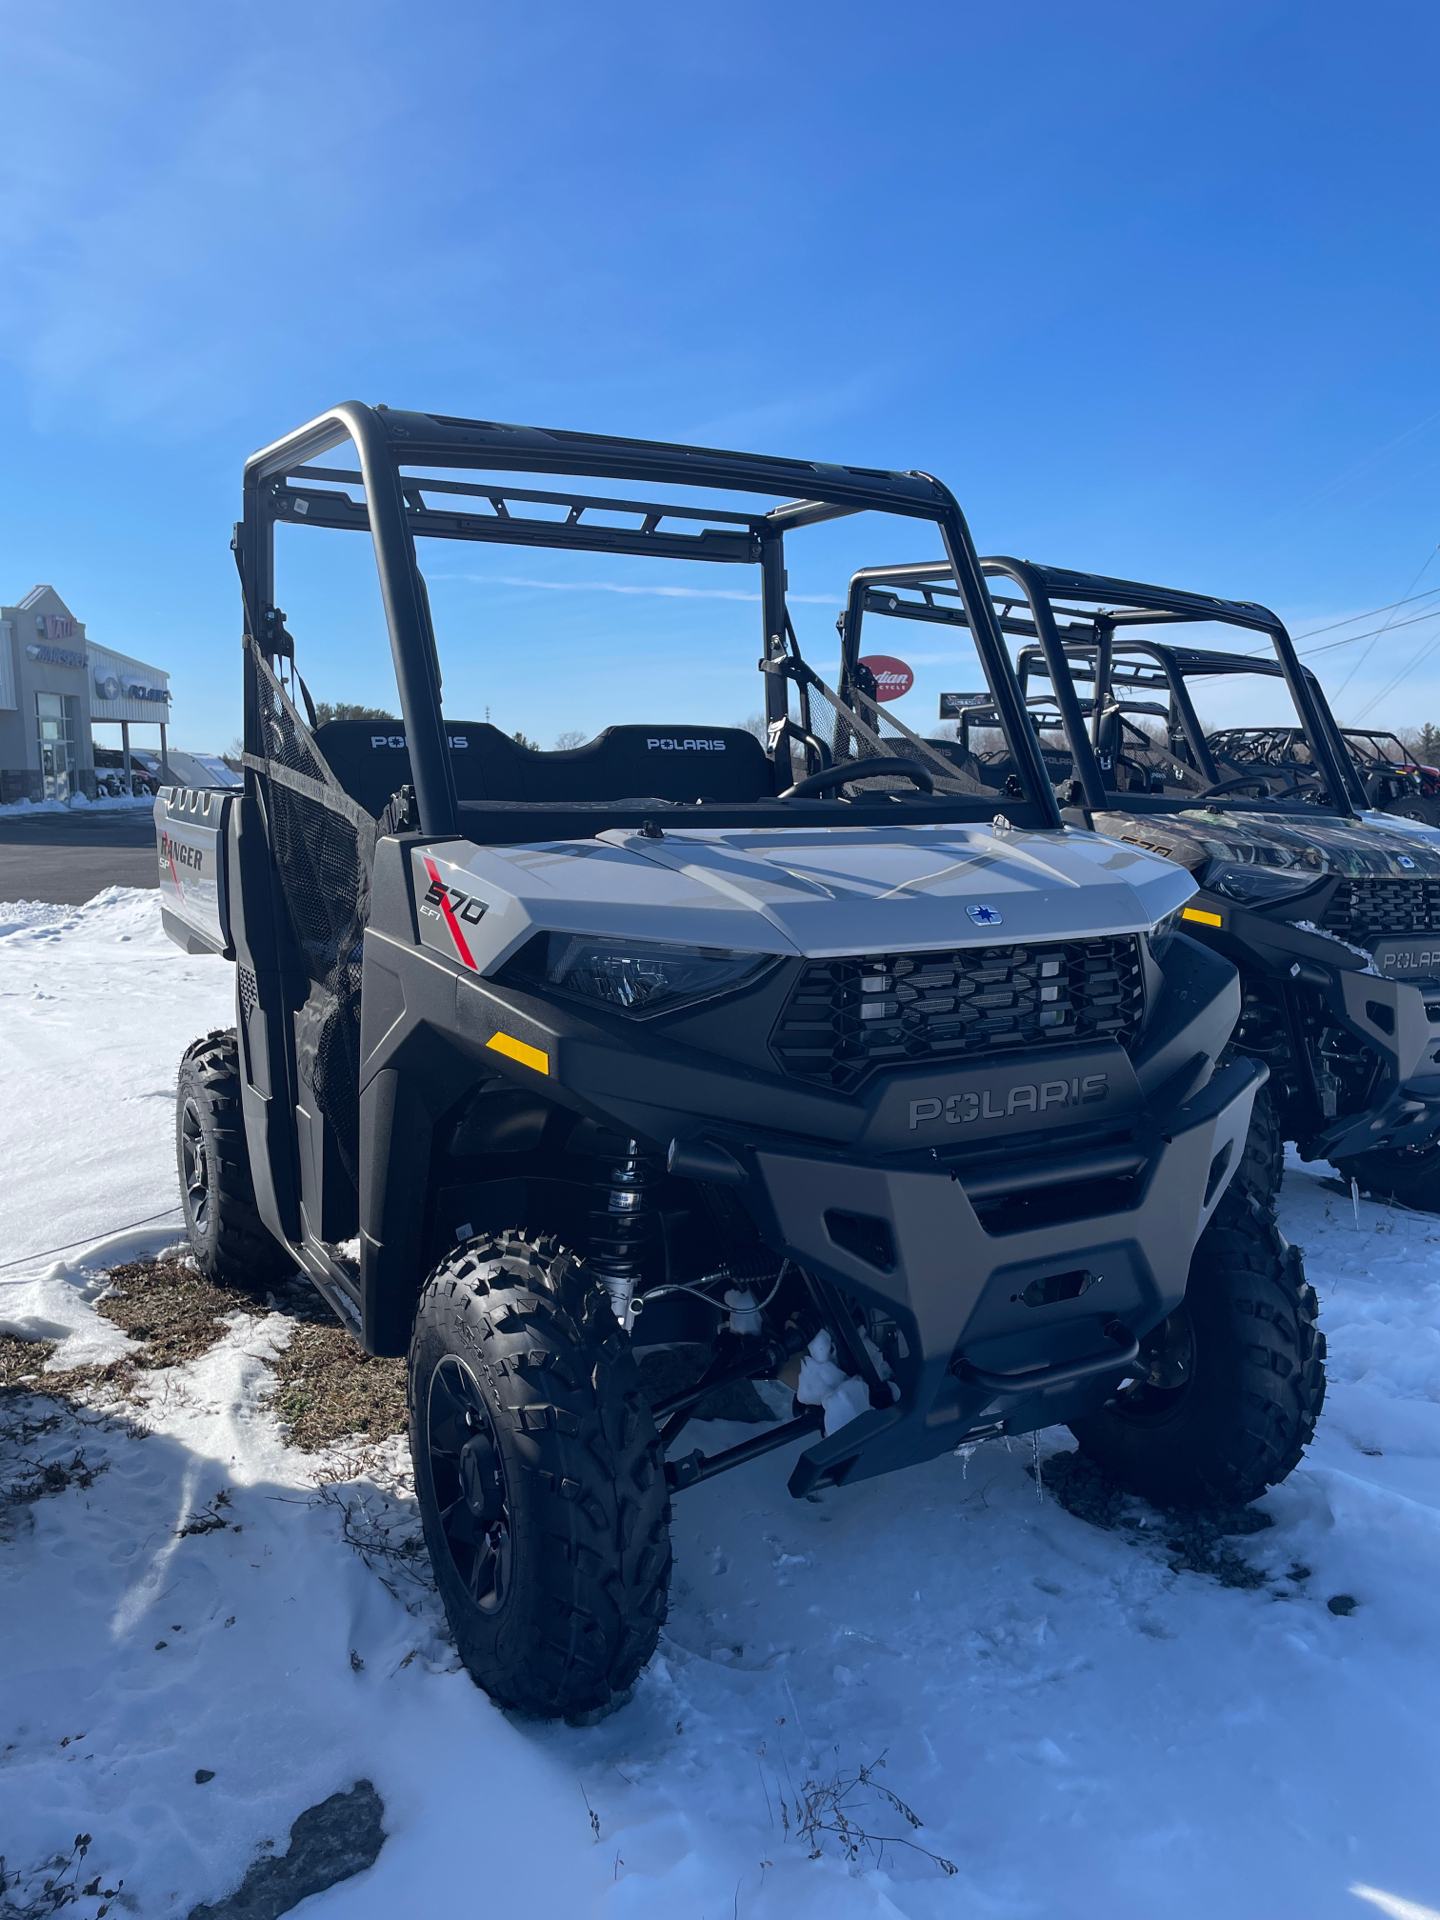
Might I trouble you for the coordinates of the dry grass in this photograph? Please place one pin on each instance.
(169, 1307)
(329, 1389)
(20, 1359)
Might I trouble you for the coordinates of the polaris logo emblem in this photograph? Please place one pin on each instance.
(985, 916)
(662, 745)
(458, 741)
(1035, 1096)
(1405, 861)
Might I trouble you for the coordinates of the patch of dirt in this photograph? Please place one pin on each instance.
(166, 1305)
(1194, 1541)
(171, 1309)
(22, 1359)
(328, 1388)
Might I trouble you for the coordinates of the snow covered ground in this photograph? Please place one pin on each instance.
(77, 803)
(1083, 1731)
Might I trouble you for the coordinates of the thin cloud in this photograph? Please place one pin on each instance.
(614, 586)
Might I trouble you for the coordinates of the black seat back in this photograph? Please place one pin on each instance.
(724, 764)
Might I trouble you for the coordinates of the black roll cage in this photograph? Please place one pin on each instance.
(281, 485)
(1091, 635)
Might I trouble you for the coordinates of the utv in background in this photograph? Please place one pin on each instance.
(601, 1080)
(1331, 911)
(1393, 782)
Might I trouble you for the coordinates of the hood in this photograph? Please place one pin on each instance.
(1374, 845)
(815, 891)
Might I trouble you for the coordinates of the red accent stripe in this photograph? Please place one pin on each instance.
(461, 947)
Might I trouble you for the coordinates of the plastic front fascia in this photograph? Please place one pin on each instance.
(804, 892)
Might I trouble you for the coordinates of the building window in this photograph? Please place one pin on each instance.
(57, 718)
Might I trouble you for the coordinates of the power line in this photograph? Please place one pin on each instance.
(1368, 651)
(1398, 626)
(1311, 632)
(1424, 654)
(1257, 653)
(1349, 472)
(45, 1252)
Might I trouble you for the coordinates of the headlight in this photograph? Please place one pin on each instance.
(1258, 886)
(633, 977)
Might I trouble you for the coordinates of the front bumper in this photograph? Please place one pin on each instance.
(1005, 1326)
(1398, 1021)
(1401, 1022)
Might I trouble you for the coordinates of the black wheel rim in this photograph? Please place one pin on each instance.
(1170, 1353)
(195, 1168)
(468, 1476)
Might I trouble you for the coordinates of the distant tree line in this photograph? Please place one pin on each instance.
(1422, 744)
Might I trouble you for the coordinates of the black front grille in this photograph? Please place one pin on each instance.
(1364, 911)
(973, 1001)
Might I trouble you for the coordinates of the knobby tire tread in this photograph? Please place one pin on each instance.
(1259, 1385)
(242, 1251)
(589, 1506)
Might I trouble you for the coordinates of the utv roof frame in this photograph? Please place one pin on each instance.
(280, 485)
(1117, 604)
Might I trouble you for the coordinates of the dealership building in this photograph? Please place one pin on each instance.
(56, 687)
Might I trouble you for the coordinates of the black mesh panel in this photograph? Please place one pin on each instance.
(1369, 910)
(324, 847)
(848, 1019)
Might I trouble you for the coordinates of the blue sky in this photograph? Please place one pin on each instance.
(1153, 289)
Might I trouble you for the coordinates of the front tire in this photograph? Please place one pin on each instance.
(540, 1477)
(231, 1243)
(1236, 1379)
(1262, 1163)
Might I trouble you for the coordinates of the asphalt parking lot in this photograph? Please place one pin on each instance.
(67, 858)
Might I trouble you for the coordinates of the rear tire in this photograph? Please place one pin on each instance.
(540, 1477)
(231, 1243)
(1236, 1381)
(1410, 1175)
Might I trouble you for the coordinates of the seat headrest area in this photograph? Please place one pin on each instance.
(682, 763)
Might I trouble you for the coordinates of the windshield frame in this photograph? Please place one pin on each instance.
(1120, 604)
(281, 486)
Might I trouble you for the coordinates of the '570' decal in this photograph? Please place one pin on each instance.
(445, 912)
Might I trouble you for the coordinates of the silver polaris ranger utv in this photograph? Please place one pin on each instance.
(601, 1081)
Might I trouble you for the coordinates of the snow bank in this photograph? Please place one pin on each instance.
(1083, 1731)
(106, 803)
(96, 1008)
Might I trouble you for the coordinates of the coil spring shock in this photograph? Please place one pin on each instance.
(620, 1227)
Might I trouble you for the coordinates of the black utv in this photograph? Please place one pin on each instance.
(1330, 910)
(1392, 779)
(604, 1080)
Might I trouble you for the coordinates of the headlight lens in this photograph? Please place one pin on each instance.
(634, 977)
(1258, 886)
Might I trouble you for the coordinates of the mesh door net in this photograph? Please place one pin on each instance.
(323, 846)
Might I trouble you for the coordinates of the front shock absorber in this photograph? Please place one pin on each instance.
(620, 1226)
